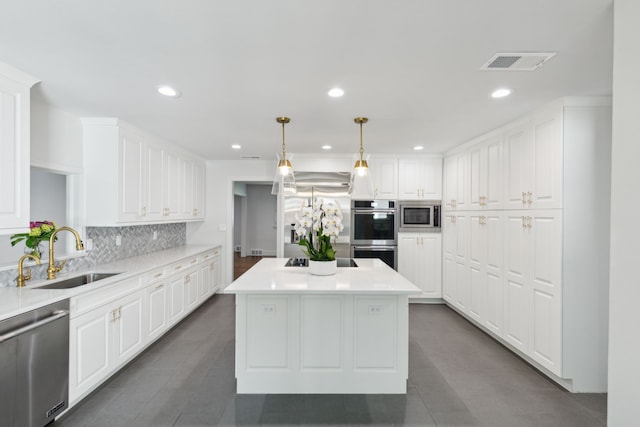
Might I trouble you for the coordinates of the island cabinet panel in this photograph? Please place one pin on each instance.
(321, 333)
(375, 329)
(267, 339)
(321, 343)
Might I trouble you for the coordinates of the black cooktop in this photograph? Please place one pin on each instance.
(304, 262)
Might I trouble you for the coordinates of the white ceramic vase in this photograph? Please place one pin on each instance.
(323, 268)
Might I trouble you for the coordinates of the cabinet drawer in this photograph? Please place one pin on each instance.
(180, 266)
(89, 301)
(156, 275)
(208, 256)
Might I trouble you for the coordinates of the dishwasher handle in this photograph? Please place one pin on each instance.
(58, 314)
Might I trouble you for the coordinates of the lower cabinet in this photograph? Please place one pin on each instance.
(103, 339)
(420, 261)
(111, 325)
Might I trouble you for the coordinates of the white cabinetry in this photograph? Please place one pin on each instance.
(103, 338)
(132, 177)
(485, 268)
(533, 166)
(14, 148)
(455, 181)
(485, 173)
(535, 272)
(420, 261)
(420, 179)
(385, 178)
(111, 325)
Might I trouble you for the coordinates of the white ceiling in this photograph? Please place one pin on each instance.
(411, 66)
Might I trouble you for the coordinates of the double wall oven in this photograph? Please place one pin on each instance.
(374, 230)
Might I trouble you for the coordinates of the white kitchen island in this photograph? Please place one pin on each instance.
(298, 333)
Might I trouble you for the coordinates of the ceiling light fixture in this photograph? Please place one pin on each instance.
(284, 165)
(326, 147)
(501, 93)
(236, 146)
(168, 91)
(335, 92)
(361, 165)
(418, 147)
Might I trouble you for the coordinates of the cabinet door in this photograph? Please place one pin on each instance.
(204, 279)
(545, 233)
(409, 178)
(407, 248)
(187, 189)
(430, 264)
(494, 174)
(157, 318)
(173, 186)
(477, 260)
(154, 184)
(517, 166)
(216, 274)
(192, 290)
(431, 186)
(131, 177)
(14, 155)
(462, 282)
(90, 358)
(493, 226)
(545, 185)
(456, 174)
(129, 329)
(198, 190)
(450, 182)
(385, 178)
(477, 175)
(176, 300)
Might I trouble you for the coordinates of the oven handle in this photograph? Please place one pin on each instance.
(370, 211)
(374, 248)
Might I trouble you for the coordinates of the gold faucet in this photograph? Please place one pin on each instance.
(21, 277)
(53, 269)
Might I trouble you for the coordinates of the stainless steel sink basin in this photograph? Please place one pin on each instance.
(77, 281)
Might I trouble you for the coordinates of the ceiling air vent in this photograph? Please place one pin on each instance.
(529, 61)
(250, 157)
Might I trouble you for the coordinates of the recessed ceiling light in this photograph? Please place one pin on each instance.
(168, 91)
(336, 92)
(500, 93)
(326, 147)
(418, 147)
(236, 146)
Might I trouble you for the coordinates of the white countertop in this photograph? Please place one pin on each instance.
(372, 276)
(14, 301)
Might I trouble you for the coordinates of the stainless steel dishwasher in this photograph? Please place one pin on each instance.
(34, 366)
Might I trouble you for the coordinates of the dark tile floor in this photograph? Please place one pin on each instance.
(458, 376)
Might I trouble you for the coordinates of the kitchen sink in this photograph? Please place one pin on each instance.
(78, 281)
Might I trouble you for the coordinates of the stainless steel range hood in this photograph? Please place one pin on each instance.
(335, 184)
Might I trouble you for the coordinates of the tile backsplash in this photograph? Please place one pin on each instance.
(134, 240)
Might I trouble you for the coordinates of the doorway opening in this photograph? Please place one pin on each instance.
(254, 224)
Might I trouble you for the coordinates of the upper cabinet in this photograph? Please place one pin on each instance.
(420, 179)
(385, 178)
(485, 174)
(131, 177)
(455, 181)
(14, 148)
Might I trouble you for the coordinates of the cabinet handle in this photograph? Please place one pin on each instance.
(119, 312)
(453, 219)
(530, 198)
(178, 267)
(158, 275)
(524, 222)
(375, 192)
(524, 198)
(212, 266)
(193, 261)
(160, 286)
(529, 219)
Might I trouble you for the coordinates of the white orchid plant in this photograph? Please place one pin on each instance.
(317, 226)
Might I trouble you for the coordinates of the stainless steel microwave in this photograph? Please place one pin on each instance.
(420, 215)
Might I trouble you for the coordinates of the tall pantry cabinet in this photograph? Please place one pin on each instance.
(526, 240)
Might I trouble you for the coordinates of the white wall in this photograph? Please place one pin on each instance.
(218, 226)
(261, 219)
(56, 137)
(624, 291)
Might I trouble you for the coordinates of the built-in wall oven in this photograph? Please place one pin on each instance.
(374, 230)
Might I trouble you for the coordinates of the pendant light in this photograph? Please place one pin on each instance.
(284, 165)
(361, 165)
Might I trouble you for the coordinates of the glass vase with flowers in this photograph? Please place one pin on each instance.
(39, 231)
